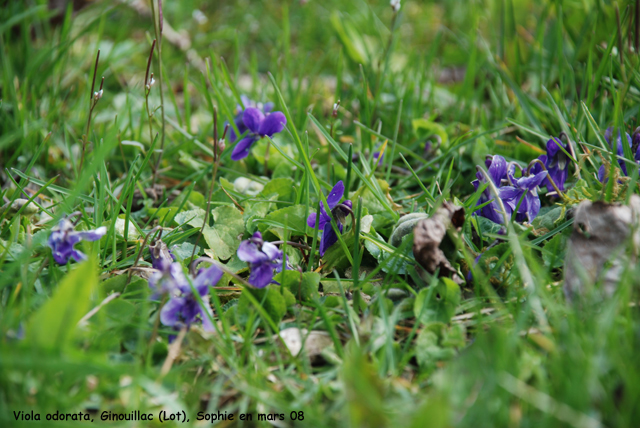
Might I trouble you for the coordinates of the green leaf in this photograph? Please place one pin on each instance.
(405, 226)
(295, 220)
(223, 236)
(193, 217)
(284, 169)
(554, 251)
(428, 351)
(184, 250)
(289, 298)
(381, 216)
(196, 200)
(273, 302)
(548, 218)
(423, 128)
(120, 311)
(118, 282)
(488, 226)
(256, 210)
(303, 286)
(284, 188)
(581, 191)
(53, 325)
(382, 252)
(113, 284)
(439, 303)
(334, 256)
(235, 264)
(132, 232)
(438, 342)
(14, 252)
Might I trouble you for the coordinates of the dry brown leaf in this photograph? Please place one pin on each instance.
(428, 235)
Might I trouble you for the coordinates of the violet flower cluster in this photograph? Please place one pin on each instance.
(557, 163)
(339, 212)
(517, 195)
(183, 307)
(255, 122)
(634, 145)
(520, 195)
(264, 258)
(64, 237)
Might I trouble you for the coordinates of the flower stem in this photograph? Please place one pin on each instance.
(92, 105)
(158, 26)
(147, 91)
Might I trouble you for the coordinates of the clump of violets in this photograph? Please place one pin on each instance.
(183, 307)
(256, 123)
(511, 191)
(64, 237)
(619, 149)
(557, 163)
(264, 258)
(497, 169)
(339, 212)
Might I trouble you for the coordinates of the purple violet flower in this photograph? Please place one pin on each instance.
(497, 169)
(258, 124)
(183, 307)
(168, 279)
(556, 162)
(160, 254)
(338, 210)
(608, 134)
(431, 145)
(635, 144)
(247, 102)
(63, 238)
(475, 262)
(264, 258)
(378, 158)
(530, 206)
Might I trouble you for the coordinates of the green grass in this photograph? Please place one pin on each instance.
(473, 77)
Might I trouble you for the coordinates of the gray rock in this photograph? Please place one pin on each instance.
(602, 234)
